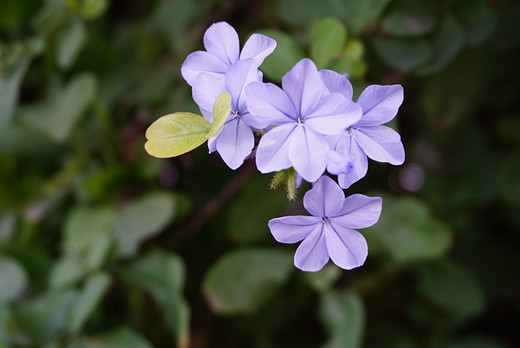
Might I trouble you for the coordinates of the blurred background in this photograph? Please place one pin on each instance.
(102, 245)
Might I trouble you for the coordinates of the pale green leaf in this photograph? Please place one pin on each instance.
(243, 280)
(87, 301)
(66, 271)
(175, 134)
(221, 111)
(327, 38)
(10, 81)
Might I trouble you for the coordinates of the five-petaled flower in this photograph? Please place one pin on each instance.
(368, 136)
(303, 112)
(330, 231)
(223, 50)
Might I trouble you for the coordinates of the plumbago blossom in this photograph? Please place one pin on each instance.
(368, 136)
(303, 111)
(310, 124)
(330, 231)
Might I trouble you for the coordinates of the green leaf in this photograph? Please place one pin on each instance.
(452, 287)
(5, 332)
(327, 38)
(343, 316)
(39, 319)
(122, 337)
(447, 42)
(58, 118)
(93, 9)
(243, 280)
(220, 114)
(162, 275)
(66, 271)
(142, 219)
(409, 18)
(358, 14)
(352, 61)
(475, 341)
(70, 42)
(87, 301)
(10, 81)
(324, 279)
(7, 226)
(13, 278)
(407, 231)
(88, 234)
(286, 54)
(175, 134)
(403, 54)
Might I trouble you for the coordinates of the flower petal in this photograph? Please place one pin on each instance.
(380, 104)
(358, 161)
(235, 143)
(292, 229)
(221, 40)
(312, 253)
(337, 83)
(308, 152)
(238, 77)
(202, 62)
(304, 86)
(381, 143)
(347, 248)
(359, 211)
(325, 198)
(273, 150)
(258, 47)
(333, 114)
(268, 106)
(205, 91)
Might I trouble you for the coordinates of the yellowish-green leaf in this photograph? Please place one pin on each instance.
(175, 134)
(221, 110)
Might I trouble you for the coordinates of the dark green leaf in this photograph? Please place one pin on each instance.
(119, 338)
(10, 81)
(409, 18)
(403, 54)
(243, 280)
(327, 38)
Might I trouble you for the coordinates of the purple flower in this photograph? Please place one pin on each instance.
(236, 140)
(302, 113)
(367, 137)
(330, 231)
(223, 50)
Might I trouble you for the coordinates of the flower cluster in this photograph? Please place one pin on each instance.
(310, 124)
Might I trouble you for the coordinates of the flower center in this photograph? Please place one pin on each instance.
(235, 114)
(300, 120)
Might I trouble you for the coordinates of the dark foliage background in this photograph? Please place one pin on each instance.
(102, 245)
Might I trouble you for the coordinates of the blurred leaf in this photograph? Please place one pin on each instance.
(452, 287)
(244, 279)
(70, 42)
(175, 134)
(7, 226)
(10, 81)
(38, 319)
(509, 171)
(343, 316)
(5, 334)
(58, 118)
(248, 213)
(142, 219)
(351, 62)
(220, 113)
(88, 234)
(87, 301)
(66, 271)
(360, 13)
(448, 41)
(286, 54)
(162, 275)
(409, 18)
(327, 38)
(479, 21)
(403, 54)
(324, 279)
(407, 231)
(119, 338)
(13, 278)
